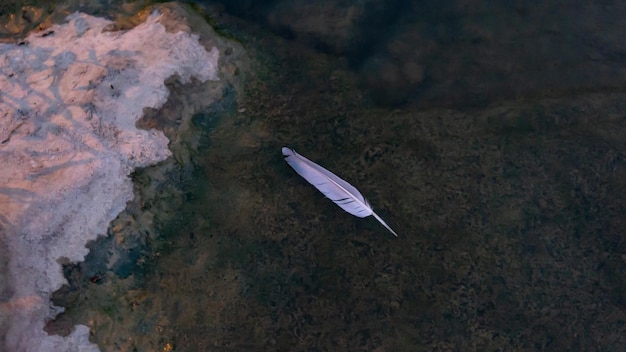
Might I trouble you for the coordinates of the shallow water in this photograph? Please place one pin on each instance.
(502, 171)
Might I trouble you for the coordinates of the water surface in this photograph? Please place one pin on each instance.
(501, 166)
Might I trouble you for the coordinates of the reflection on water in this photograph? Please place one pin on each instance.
(510, 210)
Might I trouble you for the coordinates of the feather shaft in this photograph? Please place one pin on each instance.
(345, 195)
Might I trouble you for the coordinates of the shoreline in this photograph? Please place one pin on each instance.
(71, 101)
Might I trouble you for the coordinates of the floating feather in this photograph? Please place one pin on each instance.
(339, 191)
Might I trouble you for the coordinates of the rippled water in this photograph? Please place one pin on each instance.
(491, 139)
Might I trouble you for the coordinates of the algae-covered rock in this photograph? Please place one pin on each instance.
(70, 102)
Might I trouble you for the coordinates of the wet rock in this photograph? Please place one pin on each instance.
(80, 143)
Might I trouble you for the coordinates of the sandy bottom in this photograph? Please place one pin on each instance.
(509, 215)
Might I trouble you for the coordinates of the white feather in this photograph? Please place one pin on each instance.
(334, 188)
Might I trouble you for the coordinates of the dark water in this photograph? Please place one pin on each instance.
(490, 136)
